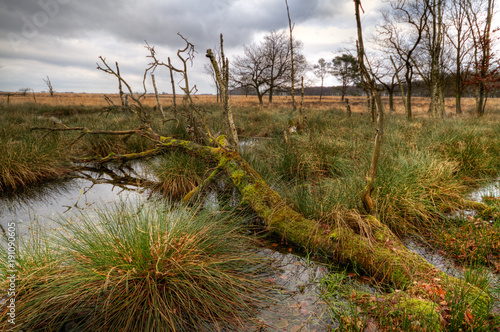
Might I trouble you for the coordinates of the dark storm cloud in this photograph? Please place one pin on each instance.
(200, 21)
(71, 34)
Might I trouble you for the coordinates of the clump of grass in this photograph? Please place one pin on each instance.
(300, 159)
(474, 146)
(415, 189)
(27, 162)
(178, 173)
(139, 268)
(492, 214)
(25, 159)
(356, 307)
(460, 317)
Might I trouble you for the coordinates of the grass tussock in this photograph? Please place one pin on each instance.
(416, 189)
(178, 173)
(25, 157)
(138, 268)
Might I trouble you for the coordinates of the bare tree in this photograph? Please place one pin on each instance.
(459, 36)
(209, 69)
(280, 61)
(123, 97)
(223, 82)
(436, 37)
(479, 17)
(321, 71)
(366, 193)
(158, 102)
(250, 71)
(388, 77)
(402, 32)
(266, 66)
(24, 91)
(49, 85)
(292, 67)
(186, 55)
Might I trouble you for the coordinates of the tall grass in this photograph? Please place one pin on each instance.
(28, 157)
(25, 158)
(139, 268)
(416, 189)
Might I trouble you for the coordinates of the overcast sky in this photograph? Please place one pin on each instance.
(63, 39)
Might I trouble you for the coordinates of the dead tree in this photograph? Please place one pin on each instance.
(185, 55)
(223, 82)
(49, 85)
(138, 108)
(174, 101)
(158, 98)
(376, 101)
(292, 74)
(123, 98)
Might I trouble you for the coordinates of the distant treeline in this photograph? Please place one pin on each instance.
(420, 89)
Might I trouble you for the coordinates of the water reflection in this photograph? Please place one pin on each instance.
(299, 306)
(45, 202)
(491, 189)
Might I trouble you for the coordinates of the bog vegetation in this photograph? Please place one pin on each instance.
(426, 171)
(307, 170)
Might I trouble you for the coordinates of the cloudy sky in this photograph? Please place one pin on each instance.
(63, 39)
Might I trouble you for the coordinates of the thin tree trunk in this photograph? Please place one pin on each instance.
(158, 98)
(290, 25)
(436, 105)
(224, 86)
(485, 60)
(409, 92)
(321, 90)
(366, 193)
(122, 98)
(403, 98)
(301, 110)
(173, 87)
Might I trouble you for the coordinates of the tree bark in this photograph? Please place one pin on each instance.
(224, 87)
(174, 96)
(436, 87)
(160, 107)
(400, 86)
(381, 254)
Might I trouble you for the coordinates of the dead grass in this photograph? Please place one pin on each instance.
(358, 103)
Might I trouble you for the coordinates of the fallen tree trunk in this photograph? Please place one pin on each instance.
(381, 254)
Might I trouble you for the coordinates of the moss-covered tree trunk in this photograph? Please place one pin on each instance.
(380, 254)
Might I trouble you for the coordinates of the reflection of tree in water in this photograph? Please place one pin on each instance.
(43, 193)
(125, 177)
(78, 185)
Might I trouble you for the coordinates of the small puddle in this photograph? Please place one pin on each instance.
(491, 189)
(300, 307)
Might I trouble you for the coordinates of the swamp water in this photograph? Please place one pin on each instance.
(299, 306)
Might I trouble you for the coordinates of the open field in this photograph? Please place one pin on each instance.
(358, 104)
